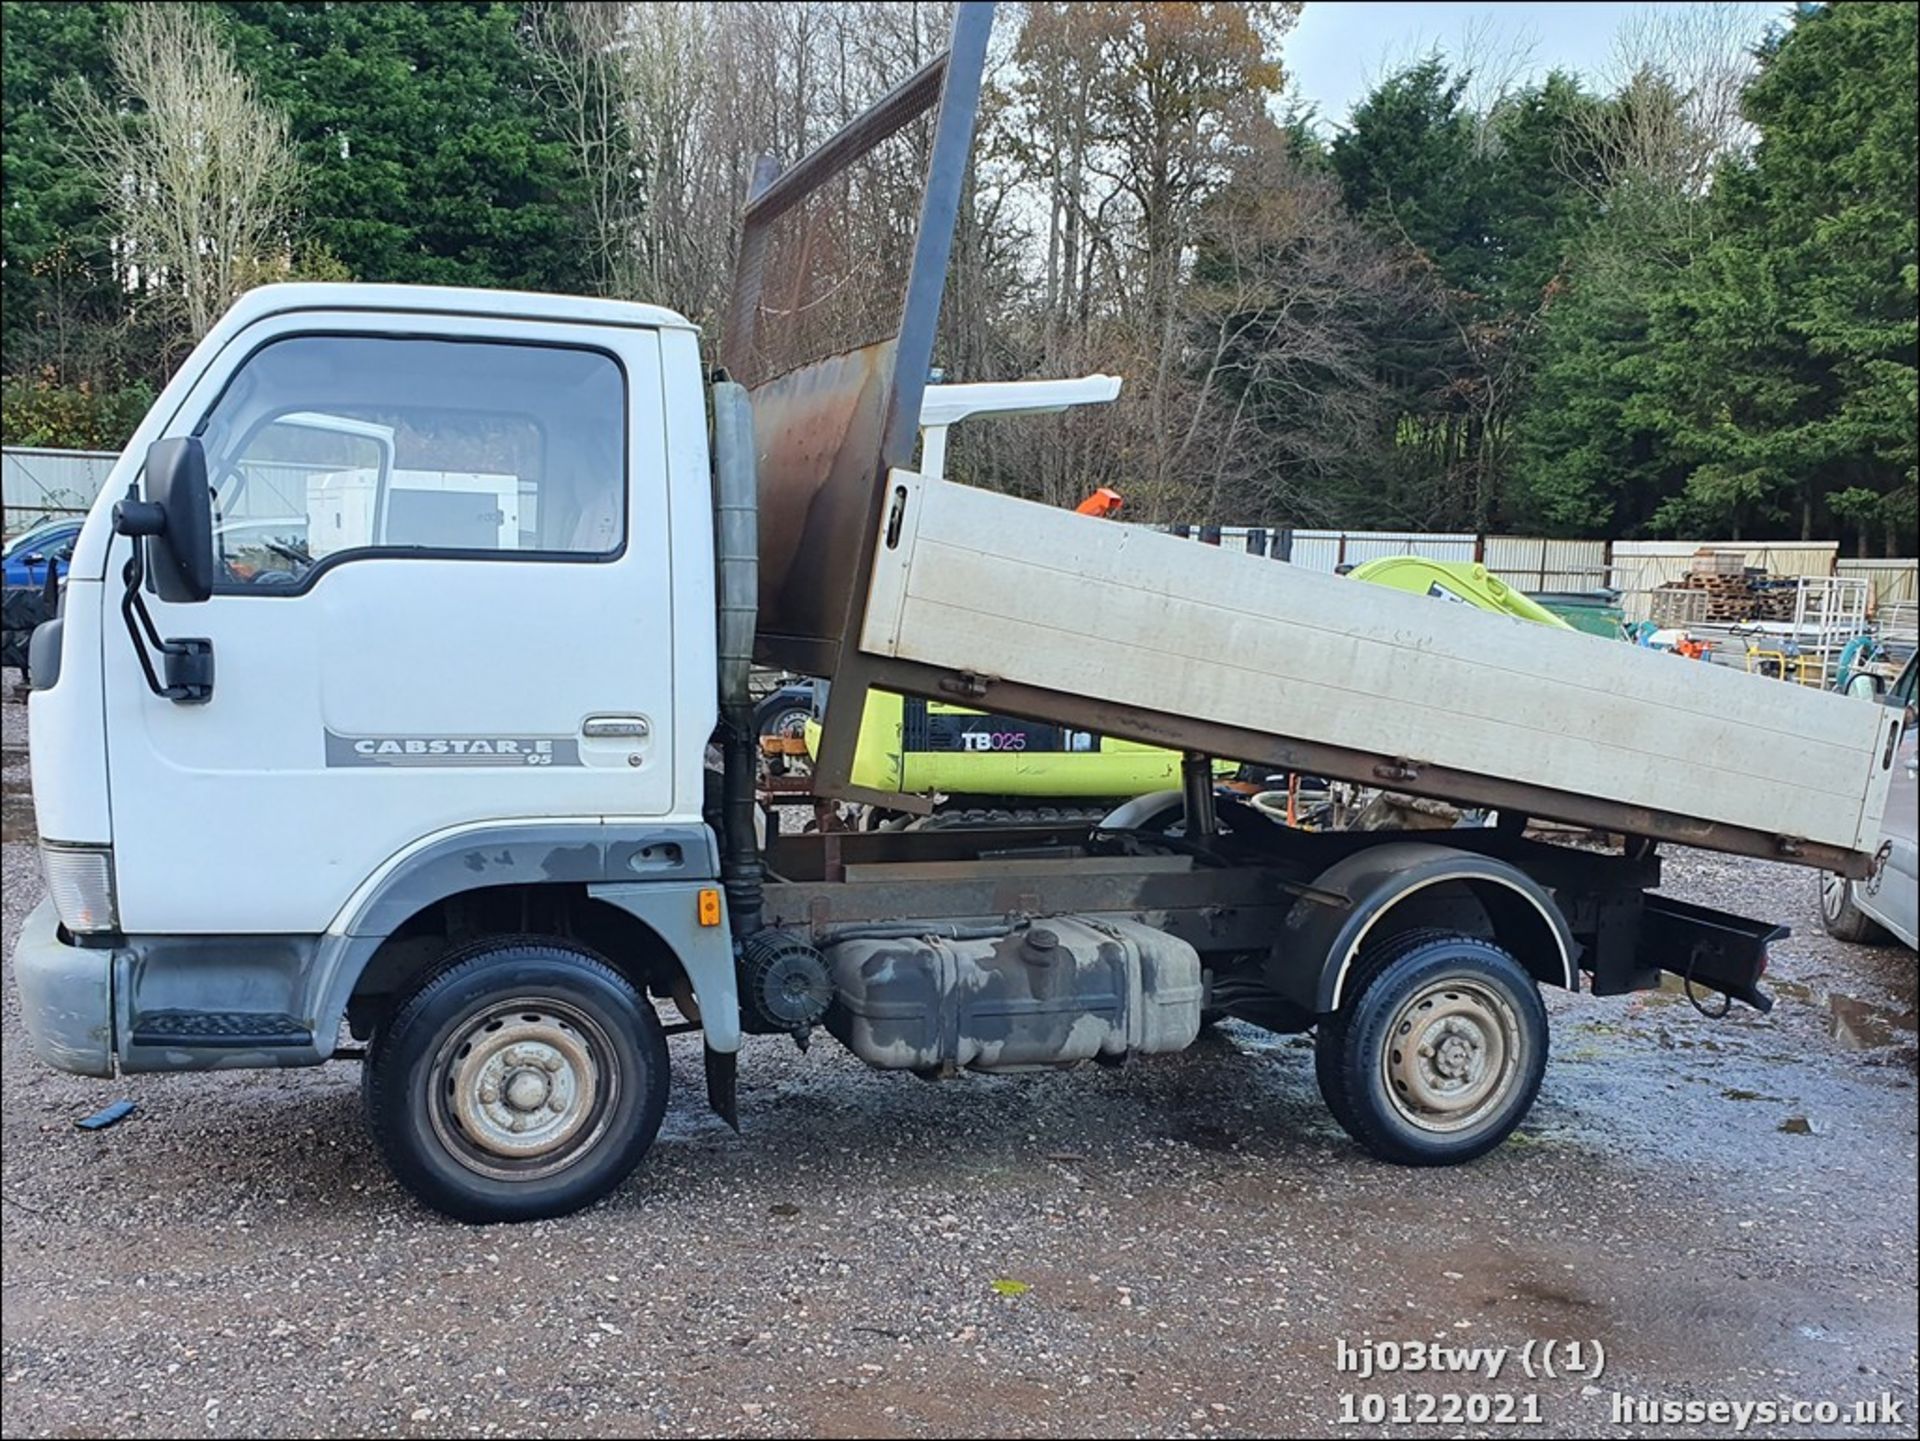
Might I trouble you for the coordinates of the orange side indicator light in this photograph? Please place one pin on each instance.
(708, 906)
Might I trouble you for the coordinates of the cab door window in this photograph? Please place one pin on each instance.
(329, 448)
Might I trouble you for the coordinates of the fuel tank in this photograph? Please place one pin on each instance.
(1050, 993)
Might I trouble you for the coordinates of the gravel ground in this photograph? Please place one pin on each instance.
(1727, 1208)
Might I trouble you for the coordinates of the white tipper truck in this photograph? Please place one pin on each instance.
(294, 808)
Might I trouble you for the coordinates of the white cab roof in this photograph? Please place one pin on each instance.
(448, 300)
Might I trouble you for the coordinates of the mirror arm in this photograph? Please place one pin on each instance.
(189, 663)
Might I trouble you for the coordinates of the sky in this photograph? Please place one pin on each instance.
(1340, 47)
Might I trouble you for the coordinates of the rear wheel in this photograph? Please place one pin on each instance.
(525, 1079)
(1438, 1051)
(782, 717)
(1842, 916)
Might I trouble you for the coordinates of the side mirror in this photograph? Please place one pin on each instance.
(175, 522)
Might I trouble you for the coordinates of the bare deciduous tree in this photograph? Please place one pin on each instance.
(583, 80)
(1131, 208)
(1282, 392)
(1677, 75)
(200, 173)
(667, 106)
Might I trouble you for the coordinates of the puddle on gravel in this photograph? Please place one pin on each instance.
(1856, 1024)
(1862, 1027)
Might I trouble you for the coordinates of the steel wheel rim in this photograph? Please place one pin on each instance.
(789, 723)
(523, 1088)
(1833, 894)
(1452, 1055)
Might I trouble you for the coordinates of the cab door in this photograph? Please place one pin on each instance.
(443, 601)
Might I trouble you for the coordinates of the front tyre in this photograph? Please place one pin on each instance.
(524, 1079)
(1438, 1051)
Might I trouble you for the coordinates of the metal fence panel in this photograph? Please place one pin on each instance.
(1533, 563)
(38, 484)
(1330, 549)
(1574, 565)
(1315, 551)
(1891, 580)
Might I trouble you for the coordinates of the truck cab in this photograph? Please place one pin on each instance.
(416, 494)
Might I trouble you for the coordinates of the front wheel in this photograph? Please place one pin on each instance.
(1438, 1052)
(525, 1079)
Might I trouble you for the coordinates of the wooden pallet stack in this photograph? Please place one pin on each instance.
(1773, 601)
(1721, 589)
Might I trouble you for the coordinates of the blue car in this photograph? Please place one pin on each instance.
(25, 601)
(28, 555)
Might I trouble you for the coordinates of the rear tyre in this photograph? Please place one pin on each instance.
(1438, 1051)
(525, 1079)
(1330, 1043)
(1842, 917)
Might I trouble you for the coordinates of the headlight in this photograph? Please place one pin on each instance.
(80, 881)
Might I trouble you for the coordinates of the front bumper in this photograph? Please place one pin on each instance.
(66, 996)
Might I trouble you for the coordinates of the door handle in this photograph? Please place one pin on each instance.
(615, 727)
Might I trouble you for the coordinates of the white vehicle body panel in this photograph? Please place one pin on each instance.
(66, 723)
(1006, 588)
(227, 817)
(1892, 896)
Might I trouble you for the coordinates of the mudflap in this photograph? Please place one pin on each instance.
(723, 1085)
(1708, 949)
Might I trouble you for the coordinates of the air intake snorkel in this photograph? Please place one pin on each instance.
(736, 512)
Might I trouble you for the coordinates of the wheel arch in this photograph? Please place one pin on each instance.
(1401, 885)
(630, 893)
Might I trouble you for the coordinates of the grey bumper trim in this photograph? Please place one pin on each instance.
(66, 996)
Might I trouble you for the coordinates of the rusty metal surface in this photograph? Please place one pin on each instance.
(828, 431)
(817, 431)
(1040, 867)
(1240, 909)
(802, 857)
